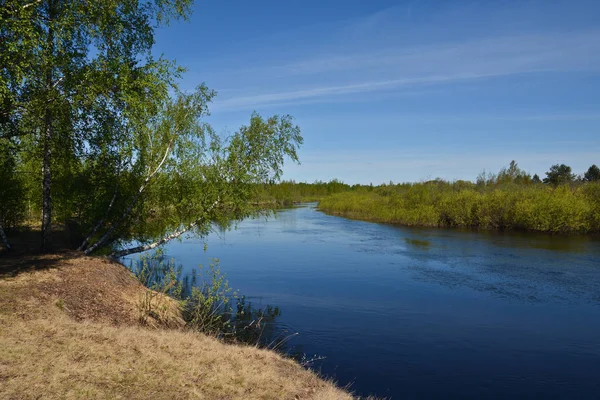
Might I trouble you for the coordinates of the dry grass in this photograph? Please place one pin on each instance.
(70, 328)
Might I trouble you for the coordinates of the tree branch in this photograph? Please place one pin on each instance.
(105, 237)
(151, 246)
(14, 134)
(99, 224)
(33, 3)
(168, 238)
(55, 84)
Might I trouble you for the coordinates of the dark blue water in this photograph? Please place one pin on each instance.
(423, 313)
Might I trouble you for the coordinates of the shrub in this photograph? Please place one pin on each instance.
(542, 208)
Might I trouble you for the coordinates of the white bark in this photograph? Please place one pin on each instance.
(34, 3)
(129, 208)
(139, 249)
(47, 142)
(174, 235)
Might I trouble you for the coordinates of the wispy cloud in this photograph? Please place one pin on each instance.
(328, 91)
(396, 68)
(554, 51)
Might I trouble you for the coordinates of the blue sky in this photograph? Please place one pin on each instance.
(404, 90)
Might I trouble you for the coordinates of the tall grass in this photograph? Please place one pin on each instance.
(206, 302)
(532, 207)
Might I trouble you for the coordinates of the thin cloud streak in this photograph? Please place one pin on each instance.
(512, 51)
(430, 65)
(286, 97)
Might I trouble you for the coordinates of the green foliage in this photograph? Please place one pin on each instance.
(153, 272)
(12, 187)
(75, 78)
(287, 193)
(262, 145)
(529, 207)
(510, 199)
(208, 306)
(559, 175)
(513, 174)
(123, 151)
(207, 302)
(507, 200)
(592, 174)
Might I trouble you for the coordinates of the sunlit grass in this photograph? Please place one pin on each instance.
(533, 207)
(70, 329)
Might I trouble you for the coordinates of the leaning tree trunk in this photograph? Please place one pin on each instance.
(132, 203)
(47, 184)
(166, 239)
(4, 238)
(85, 242)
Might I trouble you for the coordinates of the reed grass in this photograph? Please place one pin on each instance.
(531, 207)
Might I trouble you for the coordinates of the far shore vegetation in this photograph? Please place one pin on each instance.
(562, 202)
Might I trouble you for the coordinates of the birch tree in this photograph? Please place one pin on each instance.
(121, 150)
(186, 176)
(64, 59)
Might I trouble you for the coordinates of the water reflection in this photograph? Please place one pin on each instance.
(208, 304)
(418, 243)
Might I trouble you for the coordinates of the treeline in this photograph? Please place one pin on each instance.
(558, 174)
(562, 202)
(286, 193)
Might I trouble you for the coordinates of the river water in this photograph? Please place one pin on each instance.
(422, 313)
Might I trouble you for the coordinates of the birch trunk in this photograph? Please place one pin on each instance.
(47, 184)
(47, 142)
(105, 237)
(98, 225)
(174, 235)
(139, 249)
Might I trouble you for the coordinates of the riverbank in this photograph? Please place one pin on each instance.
(71, 327)
(537, 208)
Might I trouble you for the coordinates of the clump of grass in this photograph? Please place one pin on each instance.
(207, 307)
(205, 301)
(163, 289)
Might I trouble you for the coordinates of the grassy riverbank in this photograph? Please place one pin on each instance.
(70, 327)
(532, 207)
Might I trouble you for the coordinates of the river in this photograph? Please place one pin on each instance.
(422, 313)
